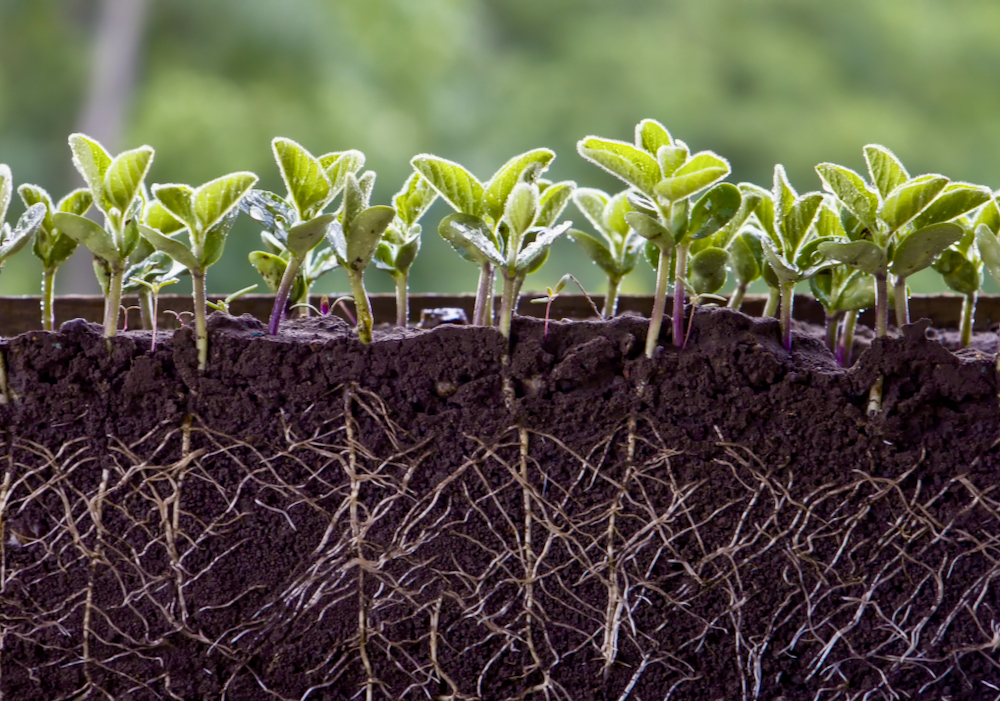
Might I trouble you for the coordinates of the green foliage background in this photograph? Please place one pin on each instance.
(477, 81)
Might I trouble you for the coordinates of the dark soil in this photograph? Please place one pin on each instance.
(423, 518)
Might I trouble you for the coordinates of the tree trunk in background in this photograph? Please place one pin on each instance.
(118, 33)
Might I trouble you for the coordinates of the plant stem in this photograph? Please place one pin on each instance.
(787, 301)
(846, 345)
(736, 301)
(659, 301)
(681, 274)
(402, 299)
(48, 294)
(113, 302)
(881, 304)
(968, 315)
(507, 303)
(147, 309)
(773, 297)
(362, 305)
(281, 297)
(832, 328)
(200, 321)
(611, 298)
(4, 395)
(902, 305)
(484, 297)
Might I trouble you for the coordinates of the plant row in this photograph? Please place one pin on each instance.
(856, 243)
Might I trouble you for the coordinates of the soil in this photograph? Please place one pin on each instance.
(427, 517)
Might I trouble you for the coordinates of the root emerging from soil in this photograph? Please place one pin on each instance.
(348, 564)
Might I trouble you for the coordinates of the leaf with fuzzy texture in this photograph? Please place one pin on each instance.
(269, 210)
(339, 164)
(909, 199)
(527, 167)
(596, 250)
(852, 191)
(553, 201)
(214, 199)
(623, 160)
(309, 188)
(414, 199)
(92, 161)
(6, 190)
(799, 218)
(87, 233)
(714, 210)
(990, 216)
(178, 200)
(955, 200)
(157, 217)
(456, 186)
(784, 270)
(33, 194)
(748, 204)
(172, 247)
(521, 207)
(124, 176)
(989, 250)
(650, 229)
(304, 237)
(471, 237)
(863, 255)
(650, 136)
(528, 256)
(215, 239)
(671, 158)
(701, 171)
(917, 250)
(271, 268)
(591, 202)
(27, 225)
(886, 171)
(364, 235)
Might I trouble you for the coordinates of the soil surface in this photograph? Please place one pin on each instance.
(432, 517)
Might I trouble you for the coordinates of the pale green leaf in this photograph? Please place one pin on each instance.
(591, 202)
(364, 235)
(852, 191)
(309, 188)
(172, 247)
(613, 217)
(886, 171)
(91, 160)
(271, 268)
(456, 186)
(955, 200)
(6, 190)
(703, 169)
(799, 217)
(157, 217)
(671, 158)
(89, 234)
(528, 258)
(714, 210)
(214, 199)
(863, 255)
(406, 254)
(124, 176)
(989, 250)
(521, 207)
(783, 195)
(33, 194)
(27, 225)
(596, 250)
(650, 136)
(990, 216)
(215, 239)
(623, 160)
(650, 229)
(338, 164)
(527, 167)
(178, 200)
(471, 237)
(304, 237)
(909, 199)
(785, 271)
(414, 199)
(553, 201)
(917, 250)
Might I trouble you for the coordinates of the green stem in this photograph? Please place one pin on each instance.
(281, 296)
(507, 303)
(881, 304)
(968, 315)
(846, 345)
(611, 298)
(200, 320)
(832, 329)
(112, 305)
(902, 305)
(787, 302)
(147, 311)
(736, 301)
(402, 299)
(681, 274)
(484, 297)
(659, 301)
(48, 295)
(362, 305)
(773, 298)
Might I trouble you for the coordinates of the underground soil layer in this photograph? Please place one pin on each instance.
(434, 516)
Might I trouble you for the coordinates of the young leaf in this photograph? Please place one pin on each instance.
(87, 233)
(955, 200)
(214, 199)
(911, 198)
(707, 270)
(650, 229)
(304, 237)
(591, 202)
(850, 189)
(215, 239)
(714, 210)
(157, 217)
(457, 186)
(26, 226)
(527, 259)
(366, 231)
(863, 255)
(989, 250)
(702, 170)
(521, 207)
(178, 200)
(337, 165)
(918, 250)
(531, 165)
(269, 210)
(308, 185)
(553, 201)
(123, 177)
(413, 199)
(6, 190)
(650, 136)
(471, 237)
(746, 255)
(671, 158)
(172, 247)
(271, 268)
(596, 250)
(886, 171)
(623, 160)
(990, 216)
(800, 216)
(784, 271)
(91, 160)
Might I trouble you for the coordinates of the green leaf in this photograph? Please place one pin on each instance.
(89, 234)
(613, 217)
(641, 203)
(955, 200)
(527, 166)
(527, 259)
(650, 136)
(271, 268)
(178, 200)
(623, 160)
(471, 237)
(172, 247)
(123, 177)
(414, 199)
(338, 164)
(989, 250)
(990, 216)
(863, 255)
(456, 186)
(76, 202)
(764, 211)
(958, 272)
(591, 202)
(269, 210)
(650, 229)
(886, 171)
(747, 256)
(917, 250)
(783, 195)
(553, 201)
(784, 270)
(702, 170)
(749, 200)
(707, 270)
(828, 223)
(714, 210)
(799, 217)
(857, 293)
(33, 194)
(596, 250)
(91, 160)
(215, 239)
(364, 235)
(304, 237)
(27, 225)
(852, 191)
(521, 207)
(911, 198)
(406, 255)
(309, 188)
(671, 158)
(6, 190)
(157, 217)
(214, 199)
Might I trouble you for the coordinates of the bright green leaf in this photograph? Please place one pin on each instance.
(955, 200)
(6, 190)
(214, 199)
(623, 160)
(414, 199)
(527, 259)
(799, 218)
(990, 216)
(747, 256)
(215, 239)
(172, 247)
(364, 235)
(553, 201)
(863, 255)
(917, 250)
(304, 237)
(850, 189)
(596, 250)
(911, 198)
(650, 136)
(157, 217)
(271, 268)
(27, 225)
(89, 234)
(91, 160)
(471, 237)
(698, 173)
(123, 177)
(591, 202)
(178, 200)
(785, 271)
(650, 229)
(309, 188)
(33, 194)
(456, 186)
(989, 250)
(521, 207)
(714, 210)
(886, 171)
(527, 166)
(338, 164)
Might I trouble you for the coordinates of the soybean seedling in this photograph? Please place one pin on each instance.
(51, 245)
(987, 225)
(961, 266)
(401, 242)
(354, 238)
(13, 240)
(208, 212)
(619, 251)
(115, 185)
(666, 176)
(153, 287)
(295, 225)
(222, 305)
(551, 293)
(479, 211)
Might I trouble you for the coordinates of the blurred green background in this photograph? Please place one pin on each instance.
(209, 83)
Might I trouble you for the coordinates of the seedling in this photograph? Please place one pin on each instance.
(51, 245)
(325, 308)
(746, 256)
(354, 238)
(666, 176)
(961, 266)
(222, 305)
(401, 243)
(479, 225)
(295, 225)
(115, 185)
(618, 253)
(988, 246)
(13, 240)
(208, 212)
(551, 293)
(154, 287)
